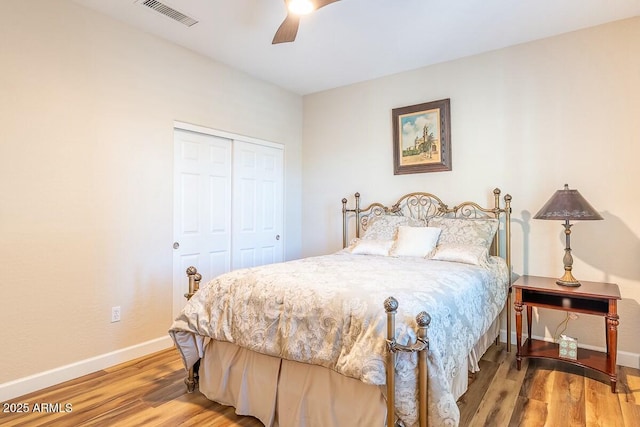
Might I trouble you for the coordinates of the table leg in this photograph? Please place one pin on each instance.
(529, 322)
(612, 342)
(509, 320)
(518, 308)
(606, 333)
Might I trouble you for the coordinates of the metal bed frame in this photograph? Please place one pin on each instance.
(421, 206)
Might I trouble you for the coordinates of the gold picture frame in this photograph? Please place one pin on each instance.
(422, 138)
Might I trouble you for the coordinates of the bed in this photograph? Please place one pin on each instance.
(308, 342)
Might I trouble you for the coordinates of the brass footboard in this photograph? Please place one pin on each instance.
(421, 346)
(194, 285)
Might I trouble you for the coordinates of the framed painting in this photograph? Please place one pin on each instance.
(422, 138)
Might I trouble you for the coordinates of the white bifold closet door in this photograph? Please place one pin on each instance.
(228, 206)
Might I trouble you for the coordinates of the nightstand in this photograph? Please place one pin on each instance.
(591, 298)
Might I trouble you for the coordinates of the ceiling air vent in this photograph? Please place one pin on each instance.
(170, 12)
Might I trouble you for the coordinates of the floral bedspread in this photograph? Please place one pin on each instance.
(328, 311)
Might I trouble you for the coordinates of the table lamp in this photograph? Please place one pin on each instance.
(567, 205)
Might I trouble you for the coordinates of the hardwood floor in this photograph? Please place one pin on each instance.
(150, 392)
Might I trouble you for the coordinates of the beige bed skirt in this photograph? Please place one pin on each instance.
(284, 393)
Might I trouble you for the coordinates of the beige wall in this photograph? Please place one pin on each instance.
(526, 119)
(86, 155)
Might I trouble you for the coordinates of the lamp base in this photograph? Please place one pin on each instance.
(568, 280)
(570, 284)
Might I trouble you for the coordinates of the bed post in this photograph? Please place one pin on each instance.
(423, 320)
(495, 246)
(344, 219)
(390, 306)
(507, 230)
(507, 257)
(422, 347)
(344, 223)
(357, 211)
(194, 285)
(194, 281)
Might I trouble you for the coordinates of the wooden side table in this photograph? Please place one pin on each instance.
(591, 298)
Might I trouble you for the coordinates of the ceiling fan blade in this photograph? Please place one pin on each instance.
(288, 30)
(323, 3)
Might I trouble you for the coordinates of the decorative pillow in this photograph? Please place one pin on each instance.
(467, 254)
(464, 231)
(415, 241)
(385, 227)
(371, 247)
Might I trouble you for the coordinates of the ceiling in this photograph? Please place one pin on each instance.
(356, 40)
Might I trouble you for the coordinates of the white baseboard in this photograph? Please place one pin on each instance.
(22, 386)
(624, 358)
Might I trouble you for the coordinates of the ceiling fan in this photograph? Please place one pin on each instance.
(295, 8)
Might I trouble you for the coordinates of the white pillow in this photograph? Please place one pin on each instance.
(415, 241)
(372, 247)
(467, 254)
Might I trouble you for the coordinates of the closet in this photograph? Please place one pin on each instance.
(228, 204)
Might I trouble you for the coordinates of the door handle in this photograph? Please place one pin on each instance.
(277, 237)
(176, 245)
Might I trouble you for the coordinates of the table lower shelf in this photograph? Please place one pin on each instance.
(586, 358)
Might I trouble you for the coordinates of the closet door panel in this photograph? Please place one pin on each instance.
(202, 208)
(257, 205)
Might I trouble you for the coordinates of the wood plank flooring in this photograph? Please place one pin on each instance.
(150, 392)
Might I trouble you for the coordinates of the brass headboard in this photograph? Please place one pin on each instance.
(423, 206)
